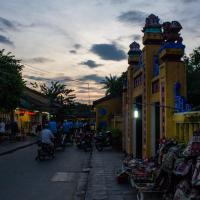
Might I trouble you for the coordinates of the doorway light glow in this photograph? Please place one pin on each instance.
(136, 114)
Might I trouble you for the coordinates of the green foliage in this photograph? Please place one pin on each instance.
(114, 85)
(116, 133)
(193, 76)
(81, 109)
(11, 82)
(56, 92)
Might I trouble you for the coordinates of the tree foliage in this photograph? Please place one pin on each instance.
(56, 92)
(11, 82)
(193, 76)
(114, 85)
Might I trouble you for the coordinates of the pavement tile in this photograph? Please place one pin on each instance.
(102, 178)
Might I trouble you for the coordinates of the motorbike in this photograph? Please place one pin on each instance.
(78, 139)
(45, 151)
(87, 142)
(59, 142)
(103, 140)
(66, 139)
(84, 141)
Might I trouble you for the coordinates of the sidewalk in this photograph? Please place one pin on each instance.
(8, 147)
(102, 184)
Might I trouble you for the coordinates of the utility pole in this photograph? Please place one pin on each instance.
(89, 102)
(88, 93)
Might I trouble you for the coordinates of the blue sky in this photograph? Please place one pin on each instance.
(81, 41)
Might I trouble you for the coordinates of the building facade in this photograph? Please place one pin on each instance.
(108, 112)
(156, 87)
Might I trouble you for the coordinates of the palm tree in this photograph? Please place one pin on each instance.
(114, 84)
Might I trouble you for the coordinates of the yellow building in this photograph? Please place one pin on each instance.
(156, 88)
(108, 112)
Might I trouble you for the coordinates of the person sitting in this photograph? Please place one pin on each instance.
(47, 136)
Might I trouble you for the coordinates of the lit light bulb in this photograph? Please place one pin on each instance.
(136, 114)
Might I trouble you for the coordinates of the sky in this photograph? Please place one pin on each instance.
(79, 42)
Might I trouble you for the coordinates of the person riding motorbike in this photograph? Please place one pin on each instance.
(47, 137)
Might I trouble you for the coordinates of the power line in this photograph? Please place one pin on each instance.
(33, 67)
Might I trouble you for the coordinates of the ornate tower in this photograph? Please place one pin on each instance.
(152, 40)
(134, 56)
(172, 76)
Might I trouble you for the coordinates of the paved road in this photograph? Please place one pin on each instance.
(23, 178)
(64, 178)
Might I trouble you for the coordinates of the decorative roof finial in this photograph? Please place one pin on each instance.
(152, 22)
(134, 53)
(171, 31)
(134, 46)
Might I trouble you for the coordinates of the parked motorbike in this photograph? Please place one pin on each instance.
(45, 151)
(103, 140)
(78, 140)
(87, 142)
(84, 141)
(58, 142)
(66, 139)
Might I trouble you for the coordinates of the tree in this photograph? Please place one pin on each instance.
(114, 85)
(193, 76)
(11, 81)
(58, 93)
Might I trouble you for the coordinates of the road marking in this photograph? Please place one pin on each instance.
(63, 177)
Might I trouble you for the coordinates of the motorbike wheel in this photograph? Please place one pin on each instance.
(87, 147)
(78, 145)
(99, 147)
(41, 158)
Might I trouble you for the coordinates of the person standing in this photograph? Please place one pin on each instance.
(53, 126)
(2, 129)
(14, 130)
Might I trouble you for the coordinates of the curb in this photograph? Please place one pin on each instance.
(17, 148)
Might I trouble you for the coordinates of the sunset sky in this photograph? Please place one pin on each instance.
(81, 41)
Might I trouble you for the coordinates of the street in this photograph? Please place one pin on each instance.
(72, 175)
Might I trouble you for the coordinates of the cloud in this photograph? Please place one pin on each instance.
(102, 2)
(73, 51)
(90, 63)
(118, 1)
(136, 37)
(6, 40)
(37, 78)
(83, 91)
(39, 60)
(86, 87)
(92, 77)
(133, 16)
(189, 1)
(6, 24)
(77, 46)
(108, 52)
(46, 79)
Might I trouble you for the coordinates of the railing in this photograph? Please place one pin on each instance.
(184, 130)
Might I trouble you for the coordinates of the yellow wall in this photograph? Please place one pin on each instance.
(113, 107)
(185, 124)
